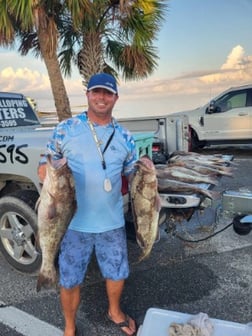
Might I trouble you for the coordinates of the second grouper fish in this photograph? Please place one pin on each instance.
(145, 204)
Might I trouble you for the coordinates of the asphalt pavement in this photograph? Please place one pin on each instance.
(177, 277)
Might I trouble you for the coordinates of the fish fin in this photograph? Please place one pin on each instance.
(157, 236)
(214, 181)
(134, 217)
(46, 281)
(51, 208)
(147, 251)
(139, 240)
(144, 255)
(158, 203)
(37, 204)
(51, 212)
(214, 195)
(227, 171)
(37, 242)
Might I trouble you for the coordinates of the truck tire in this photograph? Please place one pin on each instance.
(18, 228)
(195, 142)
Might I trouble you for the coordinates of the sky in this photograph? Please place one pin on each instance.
(203, 48)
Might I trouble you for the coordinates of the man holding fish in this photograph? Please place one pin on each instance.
(98, 151)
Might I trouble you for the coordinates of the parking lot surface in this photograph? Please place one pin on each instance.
(213, 276)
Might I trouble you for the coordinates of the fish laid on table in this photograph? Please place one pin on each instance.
(145, 204)
(206, 170)
(201, 159)
(211, 157)
(185, 153)
(168, 185)
(185, 175)
(56, 207)
(198, 161)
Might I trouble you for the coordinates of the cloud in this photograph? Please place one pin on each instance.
(145, 97)
(191, 89)
(236, 70)
(235, 59)
(24, 80)
(34, 84)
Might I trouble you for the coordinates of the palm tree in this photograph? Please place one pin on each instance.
(98, 35)
(34, 25)
(114, 36)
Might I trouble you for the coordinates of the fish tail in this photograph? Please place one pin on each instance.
(144, 255)
(214, 181)
(147, 250)
(227, 173)
(212, 194)
(46, 281)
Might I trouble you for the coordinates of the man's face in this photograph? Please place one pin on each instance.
(101, 101)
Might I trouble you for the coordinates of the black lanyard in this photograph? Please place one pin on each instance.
(101, 153)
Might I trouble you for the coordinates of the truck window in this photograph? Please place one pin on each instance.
(232, 100)
(238, 100)
(16, 111)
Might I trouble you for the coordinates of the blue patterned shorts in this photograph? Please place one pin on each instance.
(76, 251)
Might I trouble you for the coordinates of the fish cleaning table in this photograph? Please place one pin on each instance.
(182, 200)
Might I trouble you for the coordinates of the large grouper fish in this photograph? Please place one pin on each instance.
(56, 207)
(146, 204)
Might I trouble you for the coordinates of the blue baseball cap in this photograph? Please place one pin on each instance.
(103, 80)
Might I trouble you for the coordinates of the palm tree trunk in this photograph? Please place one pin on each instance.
(47, 36)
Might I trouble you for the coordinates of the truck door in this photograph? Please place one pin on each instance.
(231, 117)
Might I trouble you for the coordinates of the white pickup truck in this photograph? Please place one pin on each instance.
(226, 119)
(22, 142)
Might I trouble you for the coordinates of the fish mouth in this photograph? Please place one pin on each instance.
(56, 164)
(142, 165)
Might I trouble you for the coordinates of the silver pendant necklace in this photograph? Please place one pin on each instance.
(107, 185)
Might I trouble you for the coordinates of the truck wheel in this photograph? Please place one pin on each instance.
(18, 228)
(195, 142)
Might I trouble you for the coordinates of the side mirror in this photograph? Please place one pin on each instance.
(211, 107)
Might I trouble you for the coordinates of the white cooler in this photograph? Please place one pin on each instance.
(157, 322)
